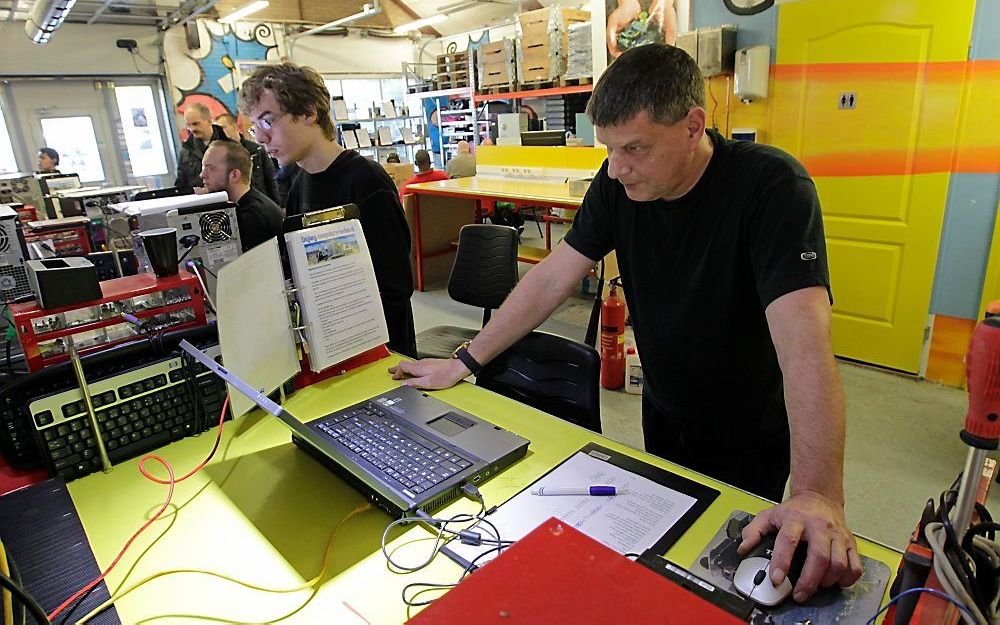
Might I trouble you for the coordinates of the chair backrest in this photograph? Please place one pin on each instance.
(485, 269)
(551, 373)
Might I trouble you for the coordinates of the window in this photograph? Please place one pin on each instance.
(141, 126)
(7, 161)
(74, 139)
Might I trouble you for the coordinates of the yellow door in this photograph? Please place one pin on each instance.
(867, 95)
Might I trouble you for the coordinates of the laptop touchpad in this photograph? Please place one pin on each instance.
(451, 424)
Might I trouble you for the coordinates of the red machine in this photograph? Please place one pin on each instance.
(613, 339)
(66, 236)
(166, 303)
(981, 433)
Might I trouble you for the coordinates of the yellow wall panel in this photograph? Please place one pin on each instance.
(540, 156)
(951, 22)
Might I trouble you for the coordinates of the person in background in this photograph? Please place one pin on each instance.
(464, 163)
(392, 158)
(289, 107)
(425, 171)
(201, 132)
(48, 161)
(226, 166)
(722, 251)
(263, 178)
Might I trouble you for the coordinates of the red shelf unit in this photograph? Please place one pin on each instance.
(170, 303)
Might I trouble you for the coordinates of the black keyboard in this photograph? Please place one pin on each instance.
(137, 411)
(17, 431)
(413, 461)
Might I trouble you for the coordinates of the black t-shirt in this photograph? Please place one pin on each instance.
(351, 178)
(698, 273)
(259, 219)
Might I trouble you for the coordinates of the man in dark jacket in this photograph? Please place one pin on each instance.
(201, 132)
(263, 167)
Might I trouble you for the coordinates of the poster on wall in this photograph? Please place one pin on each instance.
(633, 23)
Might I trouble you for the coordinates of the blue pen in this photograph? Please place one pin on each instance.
(579, 490)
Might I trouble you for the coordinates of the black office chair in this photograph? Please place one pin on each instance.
(484, 273)
(551, 373)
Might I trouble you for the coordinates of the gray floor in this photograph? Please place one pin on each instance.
(902, 434)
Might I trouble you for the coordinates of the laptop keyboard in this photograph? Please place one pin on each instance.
(415, 462)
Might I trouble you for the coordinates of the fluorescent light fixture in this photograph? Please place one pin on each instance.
(414, 25)
(367, 10)
(243, 11)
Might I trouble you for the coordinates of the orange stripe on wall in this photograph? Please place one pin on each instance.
(985, 160)
(977, 151)
(943, 71)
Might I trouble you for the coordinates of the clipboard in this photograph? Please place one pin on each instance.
(700, 495)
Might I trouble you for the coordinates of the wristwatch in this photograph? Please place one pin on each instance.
(462, 353)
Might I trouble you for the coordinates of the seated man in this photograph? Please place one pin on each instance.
(464, 163)
(226, 167)
(426, 173)
(263, 178)
(48, 161)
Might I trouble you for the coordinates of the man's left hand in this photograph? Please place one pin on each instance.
(811, 516)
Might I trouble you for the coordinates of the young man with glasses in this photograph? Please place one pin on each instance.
(289, 107)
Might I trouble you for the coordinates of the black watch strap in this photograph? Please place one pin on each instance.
(462, 353)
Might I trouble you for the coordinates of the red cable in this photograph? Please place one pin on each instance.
(170, 493)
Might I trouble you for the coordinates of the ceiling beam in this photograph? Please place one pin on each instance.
(100, 11)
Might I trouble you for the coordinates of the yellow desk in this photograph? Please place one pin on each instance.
(263, 511)
(440, 208)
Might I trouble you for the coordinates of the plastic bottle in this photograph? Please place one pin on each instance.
(633, 372)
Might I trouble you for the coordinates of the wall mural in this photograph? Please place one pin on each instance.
(208, 74)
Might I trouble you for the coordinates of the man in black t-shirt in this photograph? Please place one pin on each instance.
(289, 107)
(722, 255)
(227, 166)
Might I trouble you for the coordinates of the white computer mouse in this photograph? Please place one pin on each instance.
(753, 580)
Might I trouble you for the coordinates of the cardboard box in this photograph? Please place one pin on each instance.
(540, 68)
(399, 172)
(494, 74)
(551, 18)
(497, 52)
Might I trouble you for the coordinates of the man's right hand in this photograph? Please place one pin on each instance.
(200, 190)
(430, 373)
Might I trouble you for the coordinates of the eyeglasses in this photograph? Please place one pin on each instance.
(264, 124)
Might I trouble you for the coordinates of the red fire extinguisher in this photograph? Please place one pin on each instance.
(613, 339)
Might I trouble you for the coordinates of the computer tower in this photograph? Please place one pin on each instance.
(13, 252)
(22, 188)
(217, 231)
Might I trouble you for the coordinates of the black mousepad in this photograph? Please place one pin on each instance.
(718, 561)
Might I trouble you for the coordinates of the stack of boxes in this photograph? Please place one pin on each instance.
(579, 59)
(496, 64)
(453, 70)
(544, 42)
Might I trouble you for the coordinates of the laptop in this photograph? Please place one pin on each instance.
(403, 449)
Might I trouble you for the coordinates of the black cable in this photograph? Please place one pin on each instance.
(76, 604)
(958, 558)
(15, 574)
(29, 602)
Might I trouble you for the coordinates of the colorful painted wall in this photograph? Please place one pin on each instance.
(209, 74)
